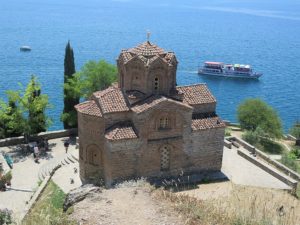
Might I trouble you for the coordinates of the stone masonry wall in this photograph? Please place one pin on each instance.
(204, 108)
(91, 142)
(207, 149)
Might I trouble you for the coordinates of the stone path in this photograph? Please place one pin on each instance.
(241, 171)
(26, 174)
(129, 205)
(63, 176)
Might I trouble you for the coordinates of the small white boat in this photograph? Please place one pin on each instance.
(228, 70)
(25, 48)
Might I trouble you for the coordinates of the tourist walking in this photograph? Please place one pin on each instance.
(36, 153)
(66, 144)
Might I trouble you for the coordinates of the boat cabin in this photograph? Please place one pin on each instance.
(242, 68)
(214, 65)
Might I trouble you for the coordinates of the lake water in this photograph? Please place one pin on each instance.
(265, 34)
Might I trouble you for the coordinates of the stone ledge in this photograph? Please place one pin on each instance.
(287, 171)
(34, 198)
(268, 168)
(48, 135)
(227, 144)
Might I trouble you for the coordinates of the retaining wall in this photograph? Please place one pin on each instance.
(35, 197)
(267, 158)
(268, 168)
(48, 135)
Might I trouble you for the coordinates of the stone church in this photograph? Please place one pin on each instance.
(145, 125)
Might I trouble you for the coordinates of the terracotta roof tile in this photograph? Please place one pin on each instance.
(120, 132)
(147, 53)
(206, 121)
(89, 108)
(147, 103)
(196, 94)
(152, 101)
(111, 100)
(147, 49)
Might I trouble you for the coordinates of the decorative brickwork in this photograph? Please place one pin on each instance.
(147, 126)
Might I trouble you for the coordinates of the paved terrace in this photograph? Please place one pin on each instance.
(26, 174)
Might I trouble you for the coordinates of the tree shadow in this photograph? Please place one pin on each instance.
(21, 152)
(71, 140)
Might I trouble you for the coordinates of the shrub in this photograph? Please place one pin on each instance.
(227, 132)
(289, 160)
(296, 152)
(295, 130)
(254, 113)
(250, 137)
(5, 216)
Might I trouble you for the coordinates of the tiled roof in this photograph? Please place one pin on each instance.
(147, 49)
(89, 108)
(153, 101)
(147, 53)
(111, 100)
(148, 103)
(121, 131)
(196, 94)
(206, 121)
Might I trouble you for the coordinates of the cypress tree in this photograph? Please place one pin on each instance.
(69, 116)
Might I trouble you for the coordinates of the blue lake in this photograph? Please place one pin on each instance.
(265, 34)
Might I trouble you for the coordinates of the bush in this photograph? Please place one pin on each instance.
(5, 216)
(264, 144)
(255, 113)
(270, 146)
(296, 152)
(250, 137)
(295, 130)
(227, 132)
(289, 160)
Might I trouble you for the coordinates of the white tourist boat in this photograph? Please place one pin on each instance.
(228, 70)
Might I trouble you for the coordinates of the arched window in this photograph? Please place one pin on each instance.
(164, 123)
(165, 158)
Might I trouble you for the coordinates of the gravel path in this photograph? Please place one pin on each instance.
(126, 206)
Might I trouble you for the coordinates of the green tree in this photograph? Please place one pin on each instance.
(34, 104)
(255, 113)
(12, 121)
(69, 115)
(25, 111)
(94, 76)
(295, 130)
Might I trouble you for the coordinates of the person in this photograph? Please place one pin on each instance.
(66, 144)
(36, 153)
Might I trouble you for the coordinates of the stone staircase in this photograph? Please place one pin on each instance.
(53, 164)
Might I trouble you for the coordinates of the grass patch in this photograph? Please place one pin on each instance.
(290, 161)
(227, 132)
(270, 146)
(48, 210)
(244, 206)
(264, 144)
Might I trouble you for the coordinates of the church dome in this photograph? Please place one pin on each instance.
(147, 52)
(147, 49)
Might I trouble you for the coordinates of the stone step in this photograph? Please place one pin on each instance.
(70, 158)
(75, 156)
(67, 160)
(47, 169)
(62, 162)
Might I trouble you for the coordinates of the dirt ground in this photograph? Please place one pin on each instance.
(135, 205)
